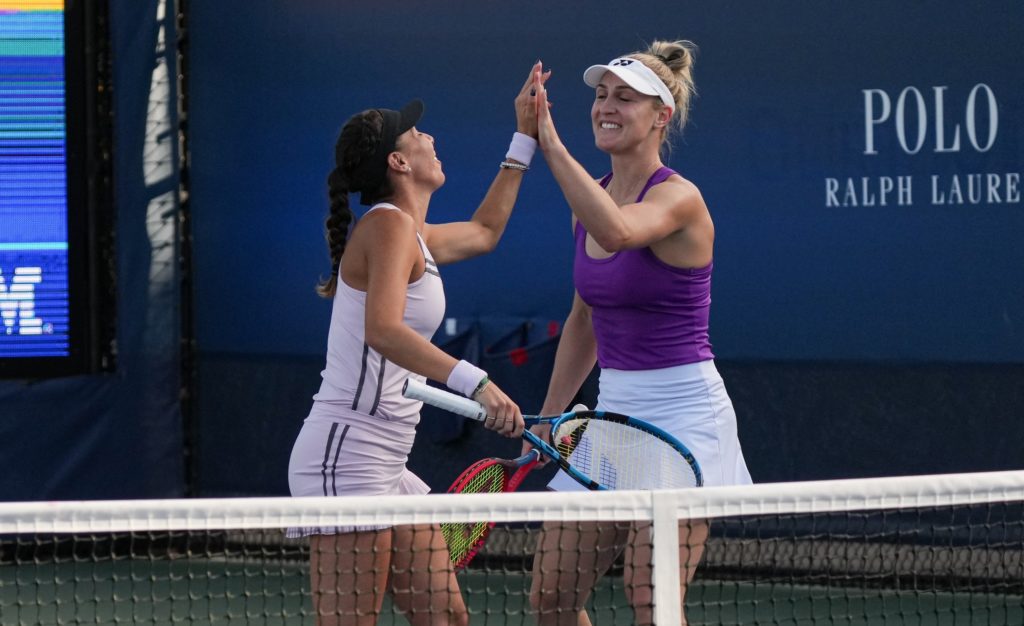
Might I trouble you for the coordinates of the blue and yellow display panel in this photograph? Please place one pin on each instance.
(34, 286)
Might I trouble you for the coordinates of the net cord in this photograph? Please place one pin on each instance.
(694, 503)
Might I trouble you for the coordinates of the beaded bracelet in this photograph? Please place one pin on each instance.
(480, 387)
(512, 165)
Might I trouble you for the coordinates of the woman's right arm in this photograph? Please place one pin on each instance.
(666, 209)
(574, 358)
(389, 263)
(390, 260)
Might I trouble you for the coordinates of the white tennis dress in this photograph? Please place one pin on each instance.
(688, 401)
(357, 437)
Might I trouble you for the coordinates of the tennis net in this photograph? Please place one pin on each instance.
(945, 549)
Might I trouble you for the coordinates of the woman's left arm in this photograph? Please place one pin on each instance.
(456, 241)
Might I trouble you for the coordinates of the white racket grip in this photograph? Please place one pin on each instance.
(459, 405)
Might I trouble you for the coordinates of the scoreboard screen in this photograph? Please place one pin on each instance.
(44, 205)
(34, 304)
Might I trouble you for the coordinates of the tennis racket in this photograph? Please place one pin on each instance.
(598, 449)
(486, 476)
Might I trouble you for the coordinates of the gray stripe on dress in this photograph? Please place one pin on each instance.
(334, 466)
(327, 455)
(380, 383)
(362, 377)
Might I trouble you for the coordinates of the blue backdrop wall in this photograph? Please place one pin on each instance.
(119, 435)
(861, 161)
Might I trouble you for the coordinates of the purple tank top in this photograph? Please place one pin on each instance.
(646, 314)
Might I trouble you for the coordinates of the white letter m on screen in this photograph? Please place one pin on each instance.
(18, 302)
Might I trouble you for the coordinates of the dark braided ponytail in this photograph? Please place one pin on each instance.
(356, 143)
(338, 221)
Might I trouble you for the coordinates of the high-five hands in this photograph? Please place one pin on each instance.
(526, 101)
(547, 137)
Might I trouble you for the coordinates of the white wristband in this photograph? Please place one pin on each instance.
(522, 148)
(465, 378)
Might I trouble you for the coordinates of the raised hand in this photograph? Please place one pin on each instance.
(526, 107)
(547, 137)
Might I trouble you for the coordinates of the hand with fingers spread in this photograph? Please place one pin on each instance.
(503, 415)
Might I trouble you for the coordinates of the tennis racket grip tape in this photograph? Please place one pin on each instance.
(450, 402)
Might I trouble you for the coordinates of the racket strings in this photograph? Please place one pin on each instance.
(463, 538)
(489, 479)
(569, 435)
(620, 455)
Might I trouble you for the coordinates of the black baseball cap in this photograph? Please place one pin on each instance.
(373, 171)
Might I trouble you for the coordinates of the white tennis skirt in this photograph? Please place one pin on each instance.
(688, 401)
(335, 458)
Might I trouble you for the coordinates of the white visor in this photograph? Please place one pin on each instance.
(635, 74)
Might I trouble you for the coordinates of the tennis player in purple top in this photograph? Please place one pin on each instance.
(643, 262)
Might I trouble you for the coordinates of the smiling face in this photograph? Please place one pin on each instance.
(622, 118)
(417, 148)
